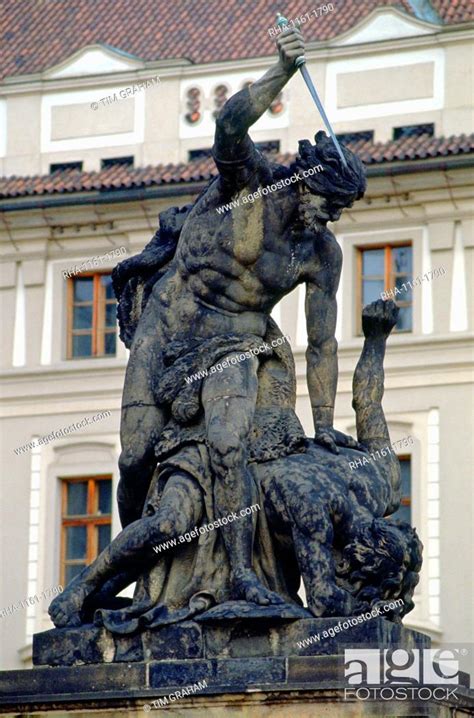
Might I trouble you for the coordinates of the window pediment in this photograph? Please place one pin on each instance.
(385, 24)
(94, 60)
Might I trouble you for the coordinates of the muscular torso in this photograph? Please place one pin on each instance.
(240, 260)
(230, 269)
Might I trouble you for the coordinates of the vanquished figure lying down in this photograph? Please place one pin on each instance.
(323, 521)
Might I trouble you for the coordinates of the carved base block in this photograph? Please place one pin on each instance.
(258, 637)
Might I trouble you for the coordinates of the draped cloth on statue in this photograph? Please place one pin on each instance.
(192, 577)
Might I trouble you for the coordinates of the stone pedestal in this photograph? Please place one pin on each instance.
(292, 687)
(257, 636)
(247, 669)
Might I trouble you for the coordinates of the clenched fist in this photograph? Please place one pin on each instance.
(290, 46)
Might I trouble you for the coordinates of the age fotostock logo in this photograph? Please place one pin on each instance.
(399, 674)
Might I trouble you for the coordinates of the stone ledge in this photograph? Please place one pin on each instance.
(257, 684)
(253, 669)
(235, 638)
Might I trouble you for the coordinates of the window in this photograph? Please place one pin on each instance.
(220, 98)
(113, 161)
(86, 519)
(205, 152)
(63, 166)
(413, 131)
(277, 105)
(92, 325)
(193, 105)
(386, 268)
(268, 147)
(404, 512)
(201, 154)
(347, 137)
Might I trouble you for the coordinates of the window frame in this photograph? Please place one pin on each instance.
(387, 277)
(189, 102)
(98, 332)
(90, 520)
(404, 501)
(404, 132)
(66, 166)
(215, 100)
(123, 161)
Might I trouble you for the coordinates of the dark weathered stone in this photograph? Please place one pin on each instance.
(73, 646)
(375, 632)
(219, 673)
(305, 683)
(325, 672)
(249, 671)
(57, 681)
(226, 504)
(166, 674)
(175, 642)
(225, 639)
(129, 648)
(252, 612)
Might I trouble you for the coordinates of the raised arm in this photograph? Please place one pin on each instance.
(232, 142)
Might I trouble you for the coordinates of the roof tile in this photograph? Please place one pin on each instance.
(37, 35)
(123, 176)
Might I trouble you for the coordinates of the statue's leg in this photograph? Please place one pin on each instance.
(180, 509)
(229, 400)
(141, 424)
(378, 320)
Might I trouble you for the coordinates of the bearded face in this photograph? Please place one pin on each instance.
(316, 208)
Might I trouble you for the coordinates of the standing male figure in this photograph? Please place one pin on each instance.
(228, 272)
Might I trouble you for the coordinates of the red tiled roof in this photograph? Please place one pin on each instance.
(454, 11)
(123, 177)
(35, 35)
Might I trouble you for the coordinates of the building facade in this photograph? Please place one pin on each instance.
(95, 141)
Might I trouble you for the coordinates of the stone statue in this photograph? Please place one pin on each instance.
(316, 510)
(208, 416)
